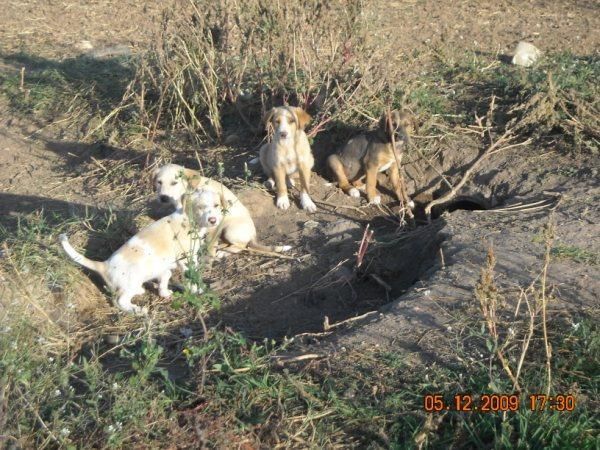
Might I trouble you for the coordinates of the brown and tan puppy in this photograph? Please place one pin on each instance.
(366, 155)
(288, 152)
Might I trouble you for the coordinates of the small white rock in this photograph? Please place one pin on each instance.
(526, 54)
(84, 45)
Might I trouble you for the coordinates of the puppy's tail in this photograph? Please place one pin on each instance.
(268, 248)
(96, 266)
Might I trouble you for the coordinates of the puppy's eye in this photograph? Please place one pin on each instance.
(159, 182)
(173, 183)
(216, 205)
(277, 121)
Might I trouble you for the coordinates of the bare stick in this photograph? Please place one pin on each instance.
(22, 83)
(264, 252)
(549, 240)
(492, 149)
(354, 208)
(403, 192)
(327, 326)
(280, 360)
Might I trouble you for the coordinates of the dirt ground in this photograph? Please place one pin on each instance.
(418, 285)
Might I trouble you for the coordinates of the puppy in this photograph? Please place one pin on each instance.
(226, 219)
(289, 152)
(149, 255)
(366, 155)
(171, 182)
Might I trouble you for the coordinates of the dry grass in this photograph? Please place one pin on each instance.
(214, 63)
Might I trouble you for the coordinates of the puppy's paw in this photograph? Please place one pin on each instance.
(283, 202)
(354, 193)
(220, 254)
(138, 310)
(270, 184)
(195, 289)
(376, 200)
(165, 293)
(307, 203)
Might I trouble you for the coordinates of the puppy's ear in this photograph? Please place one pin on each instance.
(302, 117)
(267, 118)
(384, 124)
(190, 178)
(153, 176)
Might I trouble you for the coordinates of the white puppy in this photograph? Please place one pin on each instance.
(149, 255)
(226, 218)
(230, 217)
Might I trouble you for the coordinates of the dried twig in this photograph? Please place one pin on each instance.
(492, 149)
(364, 244)
(327, 326)
(404, 199)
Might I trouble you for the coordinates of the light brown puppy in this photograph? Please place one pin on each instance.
(149, 255)
(172, 181)
(288, 152)
(217, 206)
(366, 155)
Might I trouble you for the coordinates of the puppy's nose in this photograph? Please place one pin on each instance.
(212, 220)
(164, 198)
(283, 134)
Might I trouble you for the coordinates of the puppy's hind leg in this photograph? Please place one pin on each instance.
(163, 284)
(124, 302)
(263, 156)
(337, 168)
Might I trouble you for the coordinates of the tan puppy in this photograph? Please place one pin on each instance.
(366, 155)
(226, 218)
(289, 152)
(172, 181)
(149, 255)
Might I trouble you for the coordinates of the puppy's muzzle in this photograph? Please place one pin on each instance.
(283, 134)
(164, 198)
(212, 220)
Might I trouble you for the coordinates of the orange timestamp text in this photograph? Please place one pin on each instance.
(497, 403)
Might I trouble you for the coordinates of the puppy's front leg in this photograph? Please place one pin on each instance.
(305, 200)
(395, 180)
(372, 184)
(282, 200)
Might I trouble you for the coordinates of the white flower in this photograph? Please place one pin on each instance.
(51, 359)
(65, 432)
(576, 326)
(57, 393)
(115, 385)
(111, 429)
